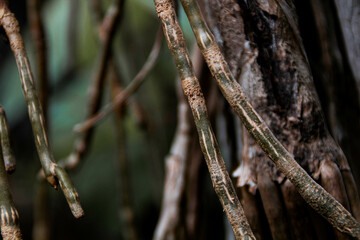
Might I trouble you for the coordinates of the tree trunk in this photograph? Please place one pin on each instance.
(263, 46)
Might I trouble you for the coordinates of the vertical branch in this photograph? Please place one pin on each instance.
(41, 226)
(110, 22)
(313, 193)
(175, 174)
(9, 217)
(9, 158)
(9, 220)
(125, 210)
(220, 178)
(38, 35)
(72, 28)
(11, 27)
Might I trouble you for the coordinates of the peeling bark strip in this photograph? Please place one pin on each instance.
(220, 178)
(313, 193)
(9, 217)
(11, 27)
(9, 159)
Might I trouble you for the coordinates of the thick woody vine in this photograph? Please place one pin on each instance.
(313, 193)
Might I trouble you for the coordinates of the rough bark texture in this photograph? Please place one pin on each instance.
(266, 56)
(335, 83)
(219, 176)
(320, 200)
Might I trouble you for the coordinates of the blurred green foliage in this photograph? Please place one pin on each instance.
(145, 148)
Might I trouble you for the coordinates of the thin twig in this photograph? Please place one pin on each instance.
(38, 35)
(9, 158)
(11, 27)
(126, 212)
(126, 93)
(313, 193)
(219, 176)
(41, 226)
(110, 21)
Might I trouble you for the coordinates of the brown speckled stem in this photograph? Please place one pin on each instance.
(9, 159)
(11, 27)
(219, 176)
(312, 192)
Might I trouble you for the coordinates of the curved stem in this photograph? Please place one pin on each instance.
(110, 21)
(312, 192)
(209, 146)
(126, 93)
(11, 27)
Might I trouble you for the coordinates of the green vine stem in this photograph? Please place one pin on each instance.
(312, 192)
(209, 146)
(121, 97)
(9, 158)
(176, 163)
(42, 222)
(11, 27)
(9, 217)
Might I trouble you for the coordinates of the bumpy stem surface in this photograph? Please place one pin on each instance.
(11, 27)
(312, 192)
(219, 176)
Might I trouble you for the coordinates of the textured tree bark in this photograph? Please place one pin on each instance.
(335, 82)
(209, 146)
(261, 43)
